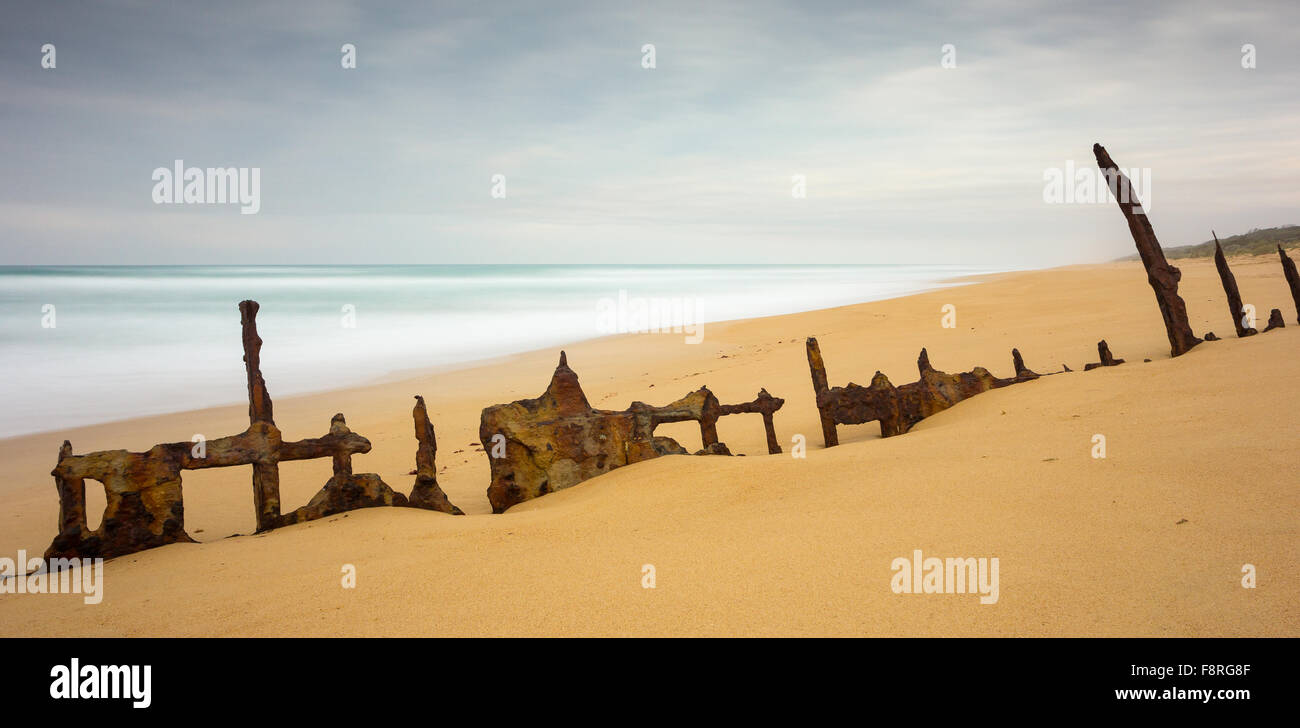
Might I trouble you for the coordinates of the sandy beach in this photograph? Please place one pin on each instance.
(1200, 478)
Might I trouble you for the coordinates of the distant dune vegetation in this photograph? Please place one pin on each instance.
(1258, 241)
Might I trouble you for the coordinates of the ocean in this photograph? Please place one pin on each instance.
(88, 344)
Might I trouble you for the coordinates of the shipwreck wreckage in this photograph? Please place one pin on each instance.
(557, 440)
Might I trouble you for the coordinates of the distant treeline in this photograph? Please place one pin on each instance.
(1258, 241)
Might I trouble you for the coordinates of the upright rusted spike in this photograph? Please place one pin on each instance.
(1107, 360)
(426, 448)
(1023, 373)
(1292, 278)
(1162, 276)
(427, 494)
(259, 400)
(770, 404)
(342, 457)
(1235, 307)
(821, 386)
(923, 362)
(72, 496)
(1274, 320)
(711, 411)
(266, 474)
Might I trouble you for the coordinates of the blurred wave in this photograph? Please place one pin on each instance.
(137, 340)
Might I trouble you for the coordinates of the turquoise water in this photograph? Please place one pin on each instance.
(129, 341)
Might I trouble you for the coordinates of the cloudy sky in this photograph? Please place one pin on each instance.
(607, 161)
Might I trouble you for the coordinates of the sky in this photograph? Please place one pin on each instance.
(904, 160)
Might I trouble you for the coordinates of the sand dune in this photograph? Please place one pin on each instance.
(1200, 478)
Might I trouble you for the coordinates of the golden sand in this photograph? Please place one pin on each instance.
(1201, 477)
